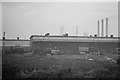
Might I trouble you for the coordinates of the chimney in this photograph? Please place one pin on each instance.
(106, 27)
(102, 31)
(98, 29)
(61, 30)
(76, 30)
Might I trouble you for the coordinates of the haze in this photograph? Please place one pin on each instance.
(22, 19)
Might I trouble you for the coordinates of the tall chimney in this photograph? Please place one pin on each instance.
(76, 30)
(102, 31)
(106, 27)
(98, 29)
(61, 30)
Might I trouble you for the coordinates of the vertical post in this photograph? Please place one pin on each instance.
(106, 27)
(102, 31)
(98, 29)
(3, 43)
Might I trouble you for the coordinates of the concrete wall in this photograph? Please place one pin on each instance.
(71, 47)
(15, 42)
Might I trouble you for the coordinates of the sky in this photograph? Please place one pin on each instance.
(23, 19)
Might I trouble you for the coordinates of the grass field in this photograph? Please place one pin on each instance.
(28, 65)
(20, 62)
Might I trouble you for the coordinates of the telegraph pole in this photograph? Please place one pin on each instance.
(3, 43)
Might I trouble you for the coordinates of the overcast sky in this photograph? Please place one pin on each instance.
(22, 19)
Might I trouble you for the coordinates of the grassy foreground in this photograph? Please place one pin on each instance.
(28, 65)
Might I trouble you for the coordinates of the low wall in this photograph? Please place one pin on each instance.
(15, 42)
(71, 47)
(15, 46)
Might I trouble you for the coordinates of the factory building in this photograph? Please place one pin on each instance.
(71, 44)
